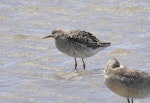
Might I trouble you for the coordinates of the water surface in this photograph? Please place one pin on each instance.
(34, 71)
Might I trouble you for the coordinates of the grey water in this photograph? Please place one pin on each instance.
(32, 70)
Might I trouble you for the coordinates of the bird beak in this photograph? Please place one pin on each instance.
(48, 36)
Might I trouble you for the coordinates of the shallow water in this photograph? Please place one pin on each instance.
(34, 71)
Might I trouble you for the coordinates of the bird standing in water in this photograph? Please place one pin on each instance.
(127, 82)
(77, 43)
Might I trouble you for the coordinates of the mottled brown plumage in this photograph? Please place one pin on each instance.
(77, 43)
(87, 39)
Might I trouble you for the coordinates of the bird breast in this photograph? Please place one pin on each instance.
(75, 49)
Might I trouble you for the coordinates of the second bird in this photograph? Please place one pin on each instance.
(78, 44)
(127, 82)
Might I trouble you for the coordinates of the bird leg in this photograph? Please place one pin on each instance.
(132, 100)
(83, 64)
(75, 65)
(128, 100)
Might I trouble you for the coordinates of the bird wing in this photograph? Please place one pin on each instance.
(135, 79)
(86, 38)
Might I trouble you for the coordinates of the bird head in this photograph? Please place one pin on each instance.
(114, 63)
(55, 34)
